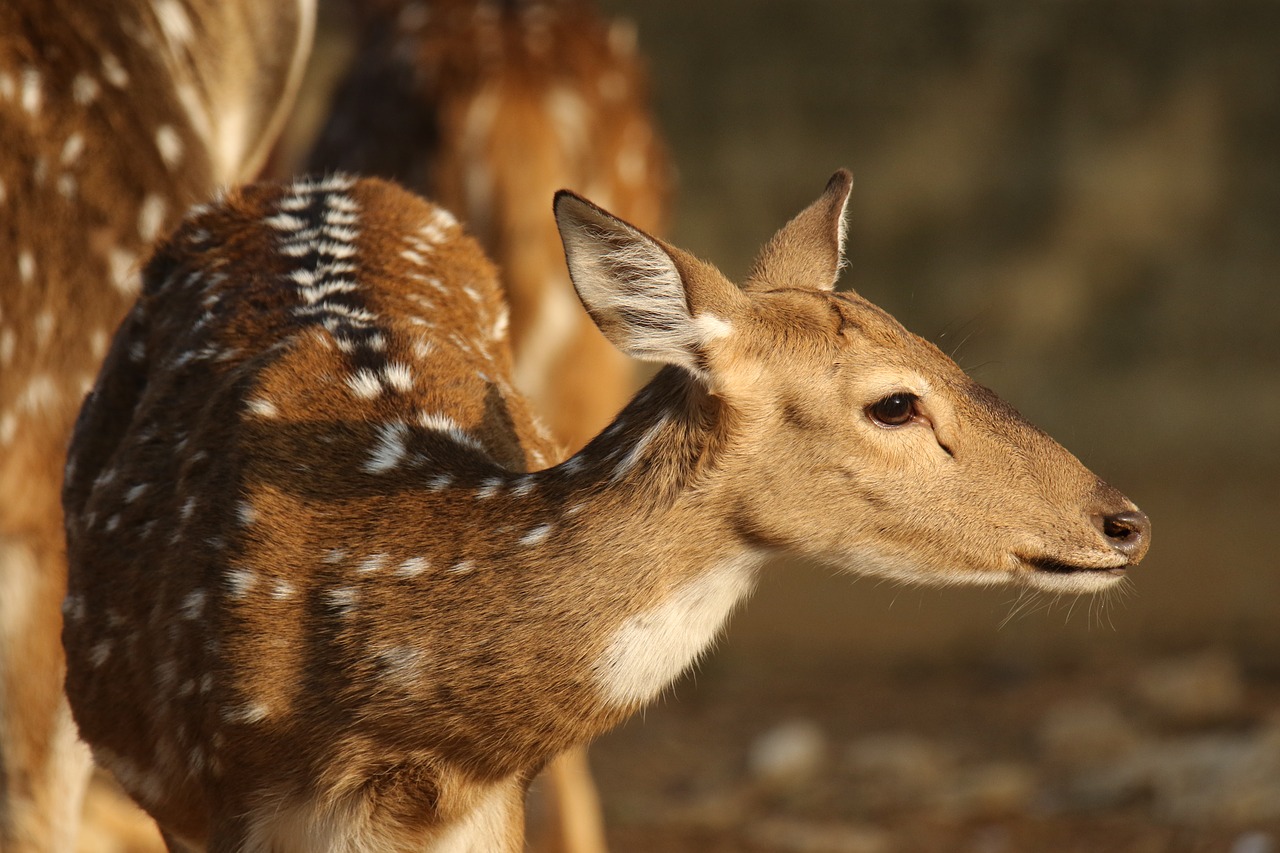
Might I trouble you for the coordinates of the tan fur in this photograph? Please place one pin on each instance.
(489, 108)
(323, 584)
(113, 119)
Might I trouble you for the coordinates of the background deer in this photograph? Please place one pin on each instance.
(488, 108)
(113, 119)
(324, 593)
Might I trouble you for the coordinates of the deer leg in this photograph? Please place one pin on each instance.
(575, 804)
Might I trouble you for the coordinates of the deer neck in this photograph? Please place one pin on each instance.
(638, 546)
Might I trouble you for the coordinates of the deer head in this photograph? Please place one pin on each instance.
(854, 441)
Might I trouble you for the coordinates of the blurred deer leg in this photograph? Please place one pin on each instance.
(579, 825)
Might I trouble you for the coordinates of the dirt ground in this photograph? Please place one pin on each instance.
(1177, 754)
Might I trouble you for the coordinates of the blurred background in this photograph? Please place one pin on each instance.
(1080, 201)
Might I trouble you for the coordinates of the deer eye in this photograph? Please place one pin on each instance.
(895, 410)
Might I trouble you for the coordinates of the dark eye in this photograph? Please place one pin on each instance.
(895, 410)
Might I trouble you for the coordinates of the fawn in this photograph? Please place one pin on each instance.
(114, 118)
(488, 108)
(325, 594)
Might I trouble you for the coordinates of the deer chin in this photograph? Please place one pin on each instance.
(1054, 575)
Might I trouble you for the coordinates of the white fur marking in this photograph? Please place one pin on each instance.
(169, 144)
(240, 581)
(389, 451)
(649, 650)
(411, 567)
(114, 71)
(537, 534)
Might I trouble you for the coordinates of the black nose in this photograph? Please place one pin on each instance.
(1128, 532)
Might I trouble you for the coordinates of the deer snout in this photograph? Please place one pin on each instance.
(1128, 532)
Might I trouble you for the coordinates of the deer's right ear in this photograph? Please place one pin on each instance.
(653, 302)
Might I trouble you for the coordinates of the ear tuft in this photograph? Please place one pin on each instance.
(807, 252)
(631, 285)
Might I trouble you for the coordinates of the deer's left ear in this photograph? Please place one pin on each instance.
(808, 251)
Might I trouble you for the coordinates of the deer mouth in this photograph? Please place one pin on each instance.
(1059, 567)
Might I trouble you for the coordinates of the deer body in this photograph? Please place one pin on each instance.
(326, 591)
(114, 117)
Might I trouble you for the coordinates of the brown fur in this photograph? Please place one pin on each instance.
(489, 108)
(100, 155)
(324, 586)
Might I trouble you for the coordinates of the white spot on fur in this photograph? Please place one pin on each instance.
(31, 93)
(537, 534)
(135, 492)
(246, 514)
(150, 217)
(174, 23)
(169, 144)
(99, 653)
(124, 273)
(26, 266)
(114, 71)
(389, 451)
(462, 567)
(398, 376)
(342, 600)
(240, 581)
(710, 327)
(84, 89)
(72, 149)
(488, 488)
(372, 563)
(289, 223)
(364, 383)
(254, 712)
(637, 450)
(411, 567)
(263, 408)
(193, 604)
(283, 590)
(649, 650)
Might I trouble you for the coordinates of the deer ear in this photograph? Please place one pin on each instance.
(808, 251)
(654, 302)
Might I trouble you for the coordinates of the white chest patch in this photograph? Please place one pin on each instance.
(650, 650)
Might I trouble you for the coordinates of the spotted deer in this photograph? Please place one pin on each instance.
(114, 118)
(326, 593)
(489, 108)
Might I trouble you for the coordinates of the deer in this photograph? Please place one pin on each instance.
(114, 118)
(327, 588)
(488, 108)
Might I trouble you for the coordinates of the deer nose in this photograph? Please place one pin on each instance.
(1128, 532)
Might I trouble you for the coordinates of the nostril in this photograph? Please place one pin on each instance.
(1127, 532)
